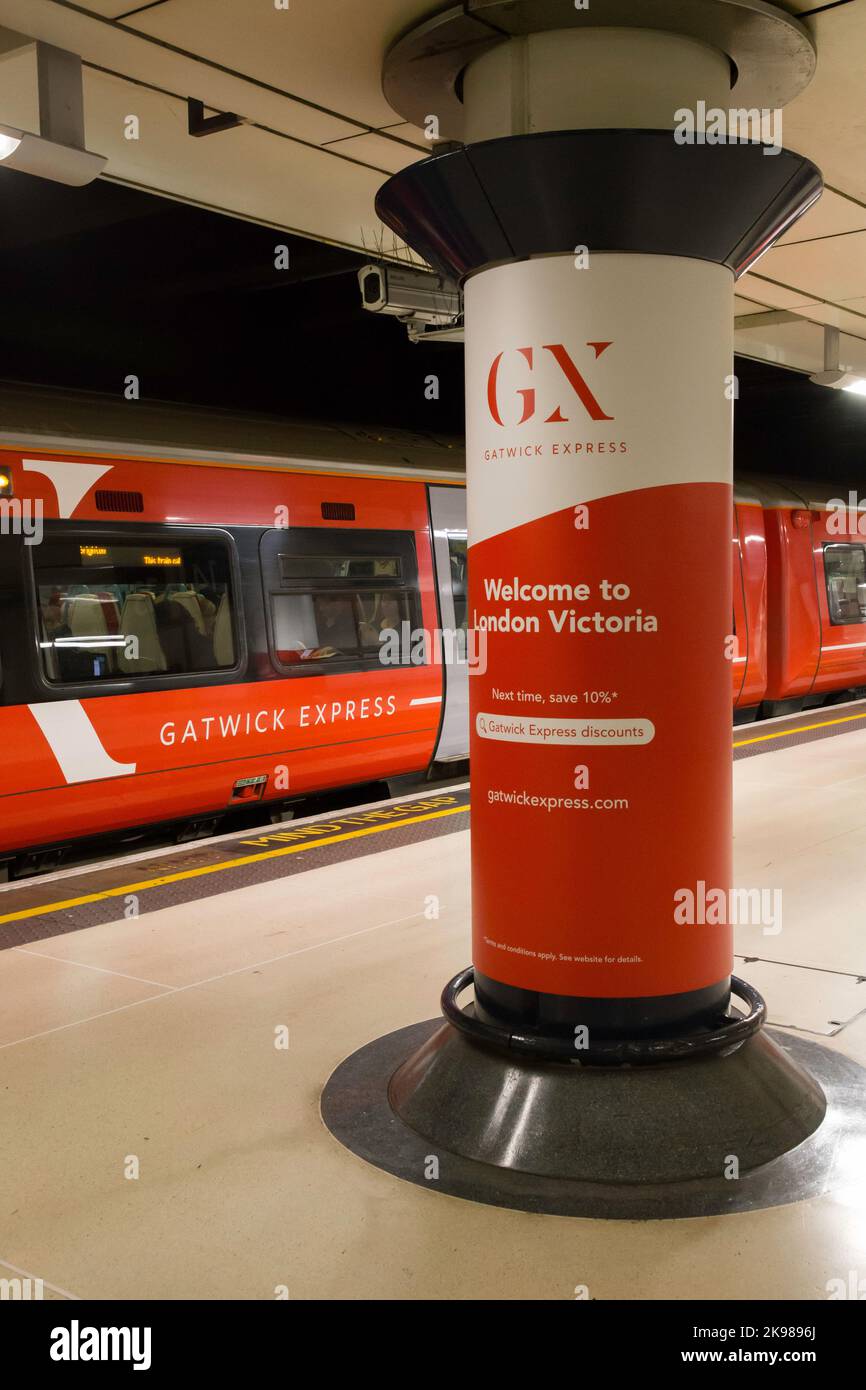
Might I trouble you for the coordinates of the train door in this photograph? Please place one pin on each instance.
(840, 562)
(740, 629)
(448, 523)
(750, 602)
(793, 615)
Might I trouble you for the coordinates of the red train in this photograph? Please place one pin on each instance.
(187, 633)
(799, 596)
(196, 630)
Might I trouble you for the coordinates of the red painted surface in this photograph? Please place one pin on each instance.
(524, 921)
(750, 605)
(793, 626)
(807, 654)
(194, 494)
(189, 747)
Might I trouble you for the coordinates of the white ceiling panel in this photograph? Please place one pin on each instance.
(798, 345)
(832, 215)
(310, 73)
(838, 316)
(833, 268)
(113, 9)
(328, 51)
(755, 286)
(130, 55)
(373, 150)
(796, 350)
(747, 306)
(244, 171)
(827, 122)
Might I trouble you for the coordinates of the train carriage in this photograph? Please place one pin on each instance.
(197, 606)
(195, 631)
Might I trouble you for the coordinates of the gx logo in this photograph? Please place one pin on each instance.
(569, 371)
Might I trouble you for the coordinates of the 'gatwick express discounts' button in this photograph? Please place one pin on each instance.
(521, 729)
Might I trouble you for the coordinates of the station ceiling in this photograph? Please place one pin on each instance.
(318, 137)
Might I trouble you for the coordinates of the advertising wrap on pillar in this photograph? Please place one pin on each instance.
(608, 1063)
(599, 419)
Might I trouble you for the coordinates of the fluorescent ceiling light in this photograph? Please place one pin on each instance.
(8, 145)
(841, 380)
(834, 375)
(47, 159)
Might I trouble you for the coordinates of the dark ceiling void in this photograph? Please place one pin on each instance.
(101, 282)
(784, 425)
(104, 281)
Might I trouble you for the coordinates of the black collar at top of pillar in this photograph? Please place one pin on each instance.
(609, 190)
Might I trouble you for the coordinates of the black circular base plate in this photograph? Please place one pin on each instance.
(356, 1109)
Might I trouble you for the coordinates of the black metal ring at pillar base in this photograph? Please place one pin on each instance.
(728, 1034)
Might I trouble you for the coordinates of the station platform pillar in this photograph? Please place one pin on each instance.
(598, 234)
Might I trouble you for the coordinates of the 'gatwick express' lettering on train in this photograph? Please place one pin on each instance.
(213, 727)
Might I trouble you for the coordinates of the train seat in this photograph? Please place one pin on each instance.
(85, 616)
(88, 617)
(223, 639)
(138, 620)
(188, 599)
(295, 627)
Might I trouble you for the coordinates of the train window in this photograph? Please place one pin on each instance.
(329, 624)
(110, 609)
(845, 575)
(339, 599)
(457, 557)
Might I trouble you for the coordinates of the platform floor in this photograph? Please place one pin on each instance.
(154, 1037)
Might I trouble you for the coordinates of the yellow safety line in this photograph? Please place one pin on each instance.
(226, 864)
(804, 728)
